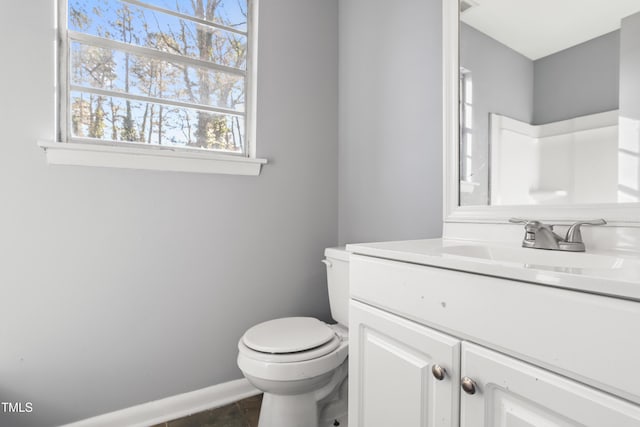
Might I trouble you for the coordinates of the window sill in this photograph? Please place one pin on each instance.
(149, 158)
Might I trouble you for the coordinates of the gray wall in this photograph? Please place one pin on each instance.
(503, 84)
(582, 79)
(390, 119)
(122, 286)
(630, 67)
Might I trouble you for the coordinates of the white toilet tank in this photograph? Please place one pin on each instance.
(337, 261)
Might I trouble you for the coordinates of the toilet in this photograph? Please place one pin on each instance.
(300, 363)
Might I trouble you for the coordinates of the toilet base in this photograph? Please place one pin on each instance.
(294, 411)
(319, 408)
(341, 421)
(288, 411)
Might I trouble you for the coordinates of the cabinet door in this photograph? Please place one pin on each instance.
(512, 393)
(391, 382)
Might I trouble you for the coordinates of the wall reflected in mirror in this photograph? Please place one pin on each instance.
(549, 102)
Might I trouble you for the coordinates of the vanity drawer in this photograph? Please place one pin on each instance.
(590, 338)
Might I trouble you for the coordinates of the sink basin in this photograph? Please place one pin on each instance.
(537, 258)
(611, 273)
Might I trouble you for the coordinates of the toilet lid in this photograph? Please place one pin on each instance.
(288, 335)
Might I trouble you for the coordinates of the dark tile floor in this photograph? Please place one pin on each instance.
(239, 414)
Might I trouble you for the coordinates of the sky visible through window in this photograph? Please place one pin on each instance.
(133, 94)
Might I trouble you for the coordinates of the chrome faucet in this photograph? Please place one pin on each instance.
(541, 236)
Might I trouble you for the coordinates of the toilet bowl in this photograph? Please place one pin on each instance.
(300, 363)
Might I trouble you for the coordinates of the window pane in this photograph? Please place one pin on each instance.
(117, 119)
(131, 24)
(232, 13)
(140, 75)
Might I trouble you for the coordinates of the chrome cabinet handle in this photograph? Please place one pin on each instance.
(468, 385)
(438, 372)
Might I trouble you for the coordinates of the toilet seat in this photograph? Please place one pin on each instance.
(288, 335)
(283, 365)
(299, 356)
(290, 339)
(280, 367)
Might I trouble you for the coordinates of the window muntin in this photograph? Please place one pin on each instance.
(147, 73)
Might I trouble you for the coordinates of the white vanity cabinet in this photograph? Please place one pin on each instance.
(392, 362)
(515, 354)
(511, 393)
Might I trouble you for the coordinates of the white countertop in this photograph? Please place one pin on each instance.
(610, 274)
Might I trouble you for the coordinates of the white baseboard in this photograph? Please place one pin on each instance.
(170, 408)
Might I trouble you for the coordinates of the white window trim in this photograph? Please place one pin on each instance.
(149, 158)
(163, 158)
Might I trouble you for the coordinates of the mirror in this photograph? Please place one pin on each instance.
(549, 102)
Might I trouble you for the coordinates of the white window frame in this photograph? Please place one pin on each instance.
(466, 126)
(79, 152)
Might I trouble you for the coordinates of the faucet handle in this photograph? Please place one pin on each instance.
(574, 235)
(518, 221)
(530, 224)
(530, 227)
